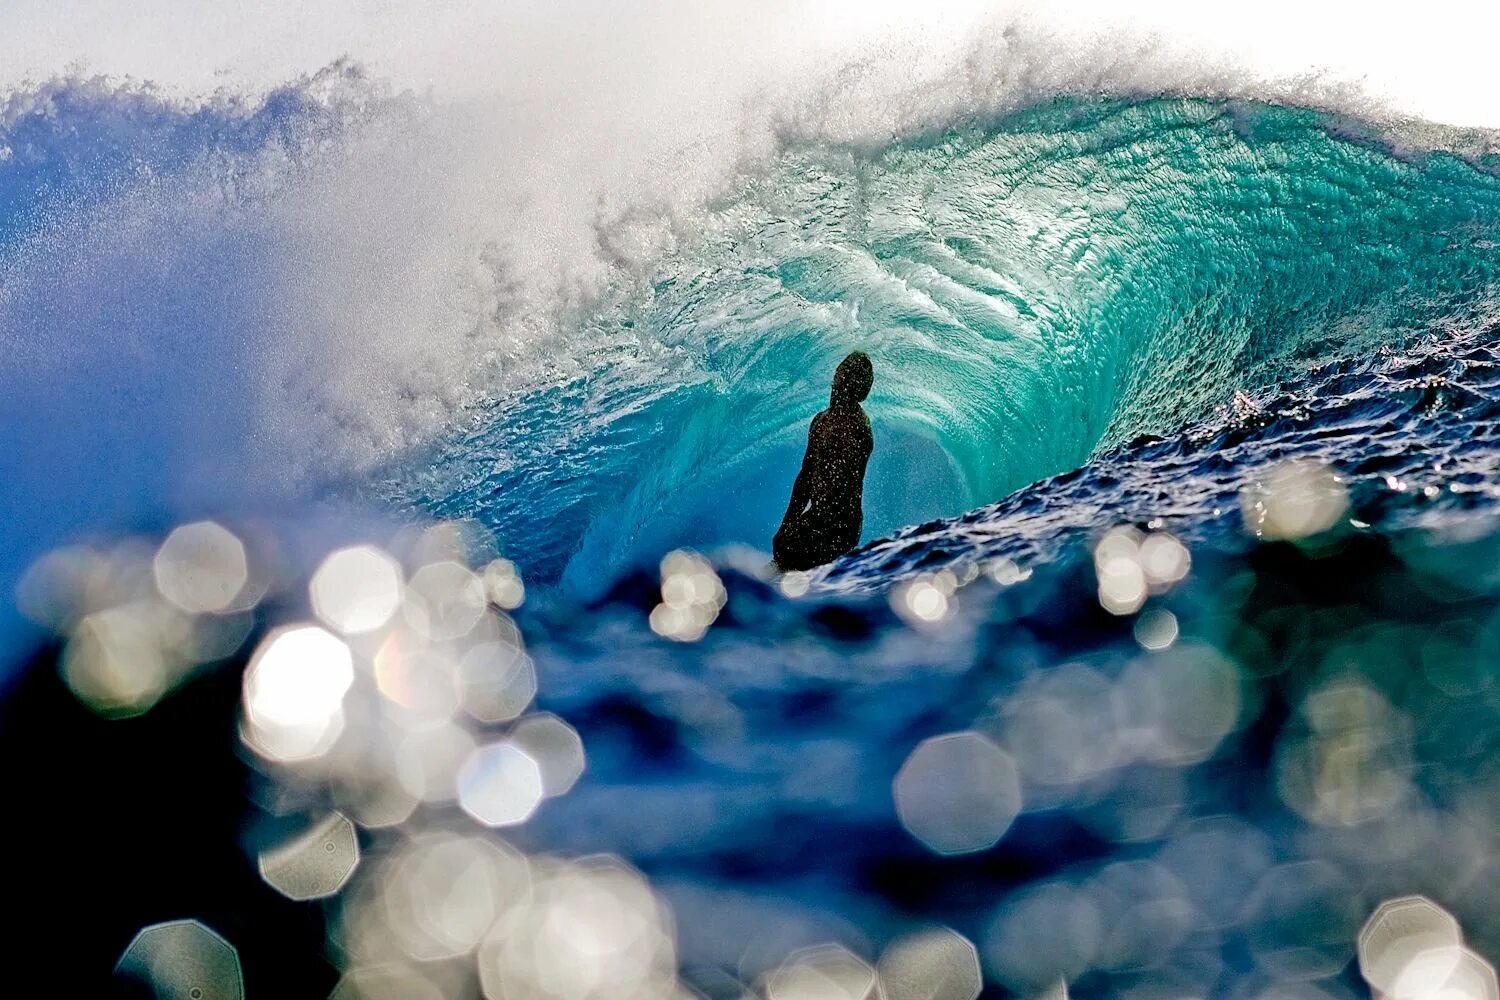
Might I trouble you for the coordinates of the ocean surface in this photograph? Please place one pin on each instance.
(1167, 668)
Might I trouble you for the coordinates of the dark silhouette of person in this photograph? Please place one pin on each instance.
(824, 517)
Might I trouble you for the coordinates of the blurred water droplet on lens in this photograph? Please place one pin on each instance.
(1156, 629)
(315, 863)
(935, 964)
(444, 600)
(444, 892)
(419, 680)
(496, 680)
(591, 930)
(1301, 919)
(794, 583)
(294, 692)
(502, 582)
(500, 785)
(183, 959)
(1295, 499)
(356, 590)
(1410, 947)
(1346, 759)
(201, 567)
(1044, 934)
(1164, 560)
(925, 600)
(1007, 574)
(957, 793)
(1117, 565)
(118, 662)
(692, 596)
(825, 972)
(555, 746)
(428, 762)
(1180, 702)
(386, 982)
(54, 590)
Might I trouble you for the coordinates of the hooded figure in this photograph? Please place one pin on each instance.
(826, 512)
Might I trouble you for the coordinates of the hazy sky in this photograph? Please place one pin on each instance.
(1434, 58)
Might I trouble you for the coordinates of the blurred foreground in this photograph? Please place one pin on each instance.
(1152, 772)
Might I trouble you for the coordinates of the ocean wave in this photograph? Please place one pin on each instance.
(506, 309)
(1033, 291)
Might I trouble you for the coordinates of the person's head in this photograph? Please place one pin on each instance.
(852, 381)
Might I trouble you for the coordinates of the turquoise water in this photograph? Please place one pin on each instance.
(1033, 290)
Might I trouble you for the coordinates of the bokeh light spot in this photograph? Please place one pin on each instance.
(825, 972)
(500, 785)
(183, 959)
(201, 567)
(1295, 499)
(935, 964)
(356, 590)
(1410, 947)
(314, 864)
(555, 746)
(957, 793)
(294, 692)
(692, 595)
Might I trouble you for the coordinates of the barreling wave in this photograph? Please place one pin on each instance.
(1032, 290)
(604, 348)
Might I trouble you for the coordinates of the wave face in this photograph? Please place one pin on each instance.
(1033, 291)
